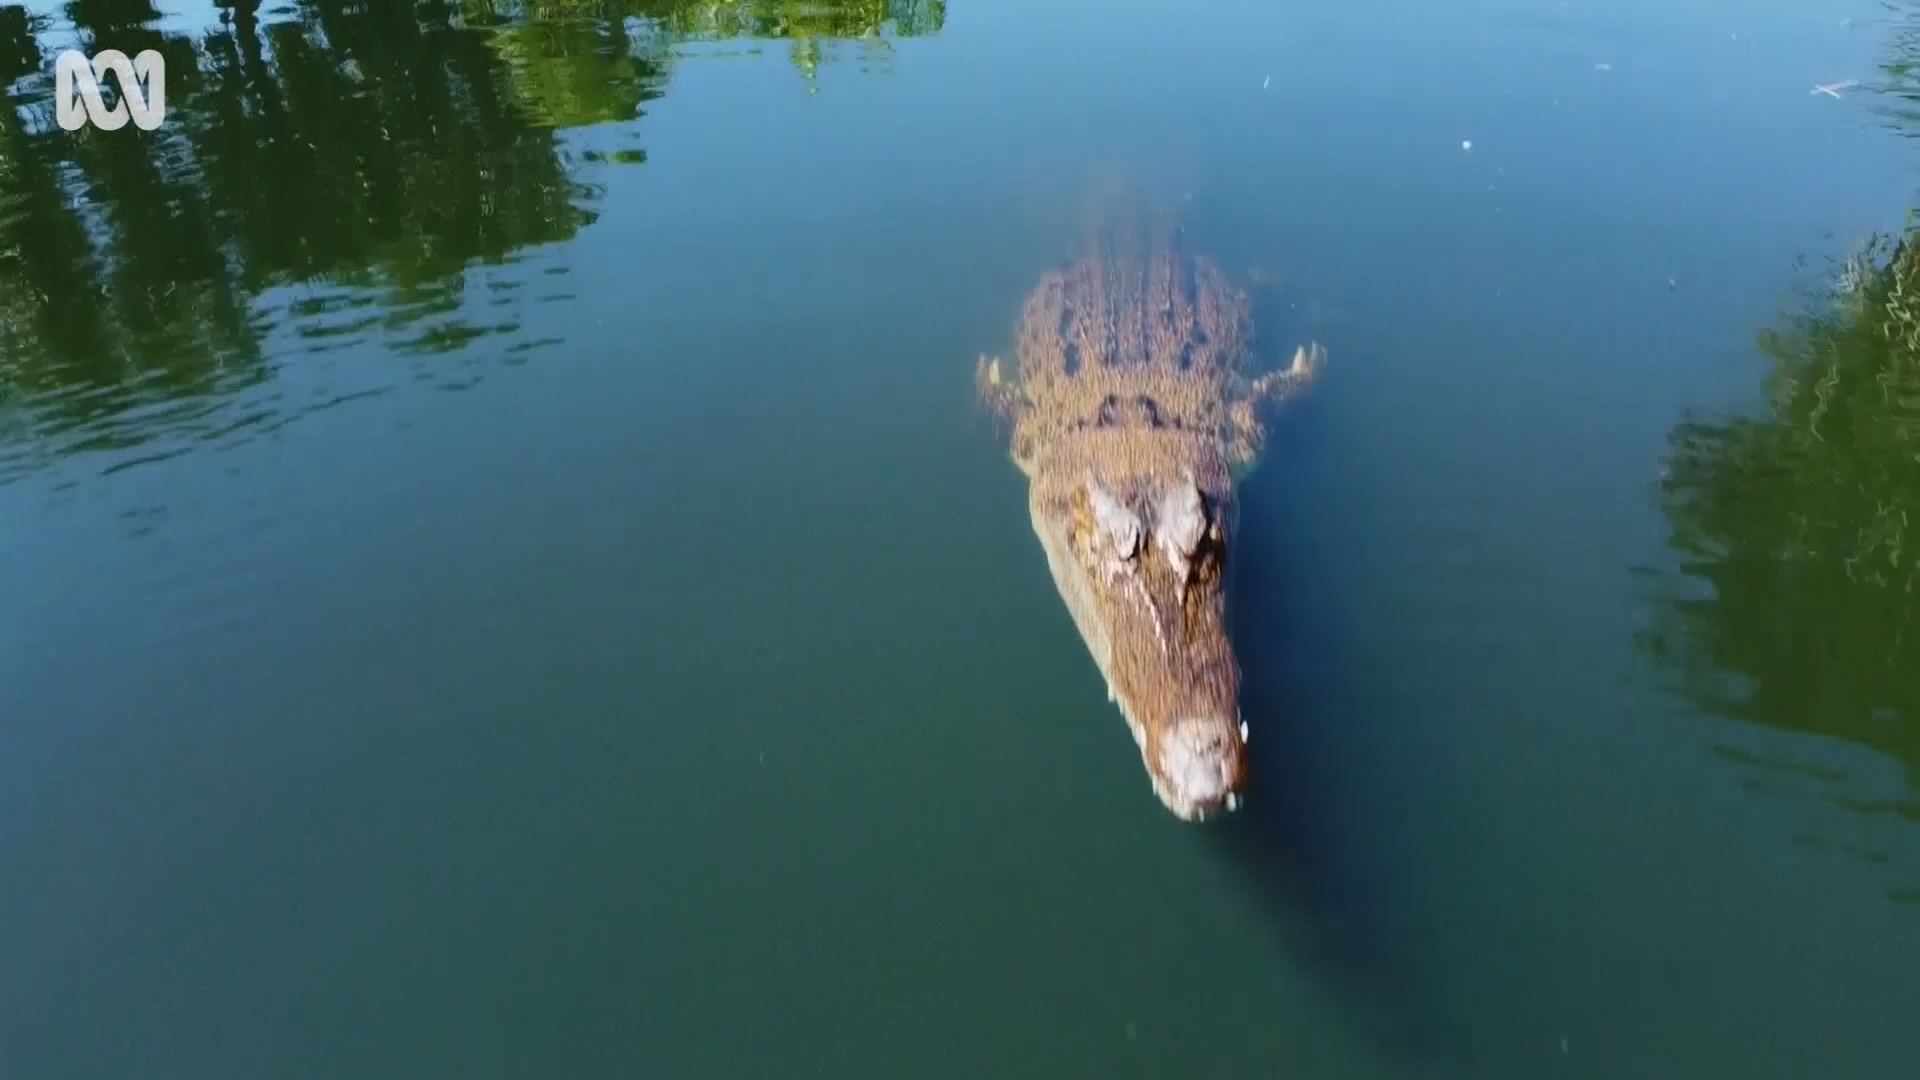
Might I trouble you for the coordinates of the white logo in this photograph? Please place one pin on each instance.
(143, 90)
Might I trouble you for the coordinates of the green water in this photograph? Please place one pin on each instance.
(501, 573)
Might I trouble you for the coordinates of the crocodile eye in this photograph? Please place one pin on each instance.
(1181, 522)
(1119, 526)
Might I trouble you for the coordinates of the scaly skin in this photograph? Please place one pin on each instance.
(1131, 414)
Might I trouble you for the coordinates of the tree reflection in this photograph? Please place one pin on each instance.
(1901, 89)
(331, 170)
(1799, 535)
(1803, 520)
(812, 30)
(1798, 529)
(570, 63)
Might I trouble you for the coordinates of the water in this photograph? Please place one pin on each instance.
(501, 573)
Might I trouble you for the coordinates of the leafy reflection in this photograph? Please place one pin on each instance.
(1799, 536)
(332, 175)
(1798, 533)
(1900, 91)
(814, 31)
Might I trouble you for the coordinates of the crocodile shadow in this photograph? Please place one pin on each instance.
(1306, 847)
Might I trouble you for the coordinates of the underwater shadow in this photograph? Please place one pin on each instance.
(1304, 841)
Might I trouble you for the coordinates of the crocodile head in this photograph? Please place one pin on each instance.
(1136, 535)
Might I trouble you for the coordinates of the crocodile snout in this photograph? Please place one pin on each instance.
(1199, 766)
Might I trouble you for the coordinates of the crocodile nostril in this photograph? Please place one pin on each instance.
(1200, 764)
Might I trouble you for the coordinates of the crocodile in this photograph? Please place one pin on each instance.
(1132, 413)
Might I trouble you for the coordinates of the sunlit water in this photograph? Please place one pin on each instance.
(502, 575)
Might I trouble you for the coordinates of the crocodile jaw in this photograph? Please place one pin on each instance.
(1154, 616)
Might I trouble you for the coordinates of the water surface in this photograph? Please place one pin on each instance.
(501, 573)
